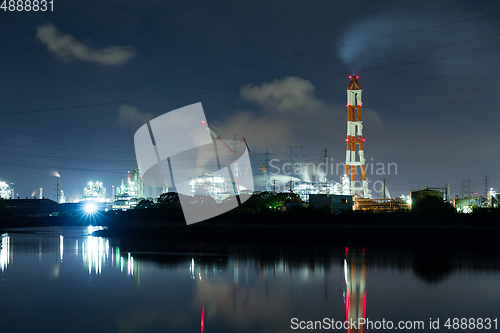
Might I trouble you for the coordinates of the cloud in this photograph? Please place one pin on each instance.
(131, 116)
(291, 112)
(68, 48)
(289, 93)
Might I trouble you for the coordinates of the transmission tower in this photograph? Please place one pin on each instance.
(267, 184)
(324, 188)
(295, 158)
(466, 188)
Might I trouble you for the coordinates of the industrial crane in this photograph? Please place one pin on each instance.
(234, 152)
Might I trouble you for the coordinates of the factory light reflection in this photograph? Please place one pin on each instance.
(61, 247)
(96, 255)
(5, 251)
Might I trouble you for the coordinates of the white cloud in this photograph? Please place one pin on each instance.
(69, 48)
(283, 95)
(131, 116)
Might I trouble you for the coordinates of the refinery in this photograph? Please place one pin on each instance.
(297, 178)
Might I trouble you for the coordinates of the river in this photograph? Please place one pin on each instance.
(65, 280)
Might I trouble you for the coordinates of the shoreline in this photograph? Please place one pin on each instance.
(351, 229)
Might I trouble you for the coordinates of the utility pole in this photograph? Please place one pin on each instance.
(323, 183)
(383, 189)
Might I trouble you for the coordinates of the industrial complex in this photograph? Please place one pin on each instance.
(348, 193)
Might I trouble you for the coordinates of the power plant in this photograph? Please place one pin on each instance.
(294, 176)
(300, 182)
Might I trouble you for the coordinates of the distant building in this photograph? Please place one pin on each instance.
(6, 190)
(129, 193)
(95, 192)
(437, 192)
(336, 203)
(466, 205)
(495, 200)
(213, 185)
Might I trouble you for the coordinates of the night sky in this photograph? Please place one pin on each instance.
(77, 82)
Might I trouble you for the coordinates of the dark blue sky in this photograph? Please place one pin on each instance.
(76, 84)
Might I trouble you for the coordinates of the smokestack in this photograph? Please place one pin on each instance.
(58, 189)
(355, 140)
(383, 190)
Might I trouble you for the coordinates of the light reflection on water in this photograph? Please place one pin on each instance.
(243, 289)
(5, 252)
(95, 252)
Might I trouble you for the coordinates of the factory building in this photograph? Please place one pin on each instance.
(336, 203)
(95, 192)
(6, 190)
(466, 205)
(213, 185)
(130, 192)
(437, 192)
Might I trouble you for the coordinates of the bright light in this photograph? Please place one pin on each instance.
(90, 208)
(202, 320)
(345, 272)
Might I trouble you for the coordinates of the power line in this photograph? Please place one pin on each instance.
(200, 91)
(252, 63)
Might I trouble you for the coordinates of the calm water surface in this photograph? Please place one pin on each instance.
(62, 280)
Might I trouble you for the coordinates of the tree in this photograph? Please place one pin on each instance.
(432, 204)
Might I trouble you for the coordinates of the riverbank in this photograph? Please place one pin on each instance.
(305, 226)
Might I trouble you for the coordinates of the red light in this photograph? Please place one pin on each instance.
(347, 303)
(346, 140)
(357, 77)
(350, 76)
(203, 121)
(202, 320)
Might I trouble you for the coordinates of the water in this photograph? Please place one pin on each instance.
(62, 280)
